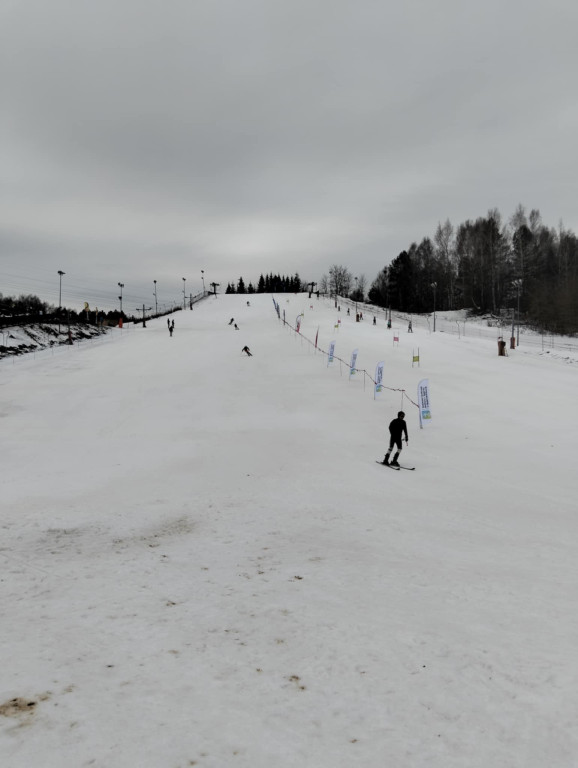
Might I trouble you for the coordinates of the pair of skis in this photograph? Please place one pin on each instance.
(411, 469)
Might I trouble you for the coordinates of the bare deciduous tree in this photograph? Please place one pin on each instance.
(340, 279)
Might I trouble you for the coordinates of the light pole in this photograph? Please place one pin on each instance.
(60, 273)
(434, 286)
(203, 279)
(121, 286)
(518, 285)
(155, 295)
(184, 294)
(356, 317)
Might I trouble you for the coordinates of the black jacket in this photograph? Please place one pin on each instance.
(397, 428)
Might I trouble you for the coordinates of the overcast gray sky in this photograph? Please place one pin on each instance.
(148, 140)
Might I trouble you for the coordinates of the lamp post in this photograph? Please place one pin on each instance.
(60, 273)
(517, 285)
(434, 286)
(203, 279)
(121, 286)
(356, 316)
(388, 310)
(155, 295)
(184, 293)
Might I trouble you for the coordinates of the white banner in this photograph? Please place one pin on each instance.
(423, 401)
(378, 379)
(352, 368)
(331, 353)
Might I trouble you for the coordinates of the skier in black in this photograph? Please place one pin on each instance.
(247, 351)
(397, 429)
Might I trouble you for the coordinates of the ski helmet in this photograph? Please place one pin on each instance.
(400, 415)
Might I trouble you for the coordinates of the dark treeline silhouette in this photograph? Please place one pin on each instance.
(268, 284)
(26, 309)
(489, 267)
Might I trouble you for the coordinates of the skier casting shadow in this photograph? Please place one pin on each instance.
(247, 351)
(397, 429)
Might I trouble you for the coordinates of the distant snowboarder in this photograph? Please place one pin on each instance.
(231, 321)
(397, 429)
(247, 351)
(236, 327)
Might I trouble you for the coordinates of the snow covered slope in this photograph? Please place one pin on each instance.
(202, 564)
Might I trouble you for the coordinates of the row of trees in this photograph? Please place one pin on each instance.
(24, 305)
(269, 284)
(28, 308)
(486, 265)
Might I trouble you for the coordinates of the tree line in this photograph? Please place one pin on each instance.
(268, 284)
(487, 266)
(28, 308)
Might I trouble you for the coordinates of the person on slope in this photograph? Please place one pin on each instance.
(397, 429)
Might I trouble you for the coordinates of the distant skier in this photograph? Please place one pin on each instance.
(231, 321)
(397, 429)
(409, 328)
(236, 327)
(374, 320)
(168, 323)
(247, 351)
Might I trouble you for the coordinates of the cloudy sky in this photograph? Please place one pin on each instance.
(147, 140)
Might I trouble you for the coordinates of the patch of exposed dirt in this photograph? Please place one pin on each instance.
(20, 708)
